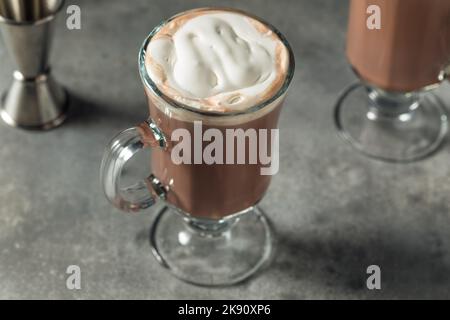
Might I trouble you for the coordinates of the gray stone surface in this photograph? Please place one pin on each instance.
(335, 211)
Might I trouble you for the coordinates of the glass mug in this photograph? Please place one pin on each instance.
(391, 114)
(209, 230)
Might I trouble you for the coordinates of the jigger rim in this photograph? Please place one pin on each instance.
(36, 22)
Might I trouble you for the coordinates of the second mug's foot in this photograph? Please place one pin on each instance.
(223, 257)
(38, 104)
(401, 138)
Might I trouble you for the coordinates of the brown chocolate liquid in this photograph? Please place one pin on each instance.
(216, 190)
(411, 48)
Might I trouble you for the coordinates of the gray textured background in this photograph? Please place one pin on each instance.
(335, 211)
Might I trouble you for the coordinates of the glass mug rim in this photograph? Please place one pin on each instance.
(151, 85)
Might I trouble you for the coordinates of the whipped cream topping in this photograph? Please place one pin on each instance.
(217, 60)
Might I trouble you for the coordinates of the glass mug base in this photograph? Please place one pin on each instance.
(396, 137)
(212, 253)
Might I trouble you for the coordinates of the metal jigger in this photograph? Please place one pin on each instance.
(34, 100)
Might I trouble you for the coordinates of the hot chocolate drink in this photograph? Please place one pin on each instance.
(400, 49)
(225, 69)
(410, 49)
(215, 80)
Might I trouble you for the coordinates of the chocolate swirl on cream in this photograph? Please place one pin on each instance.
(217, 60)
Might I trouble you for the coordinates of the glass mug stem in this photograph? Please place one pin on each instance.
(391, 105)
(119, 151)
(210, 228)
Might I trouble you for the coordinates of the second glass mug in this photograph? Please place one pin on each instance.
(210, 230)
(392, 113)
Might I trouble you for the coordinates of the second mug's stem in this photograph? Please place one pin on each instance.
(391, 105)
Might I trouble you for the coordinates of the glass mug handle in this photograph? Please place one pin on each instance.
(119, 151)
(445, 73)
